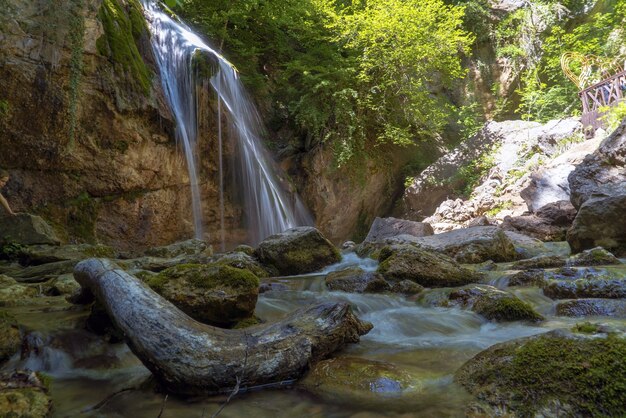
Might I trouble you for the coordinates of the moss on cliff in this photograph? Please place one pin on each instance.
(122, 30)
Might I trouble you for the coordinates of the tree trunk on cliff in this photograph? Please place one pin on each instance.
(191, 358)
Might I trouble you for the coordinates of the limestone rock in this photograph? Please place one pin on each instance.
(24, 394)
(600, 222)
(297, 251)
(213, 293)
(26, 229)
(424, 267)
(550, 375)
(549, 223)
(493, 304)
(586, 288)
(594, 257)
(592, 307)
(390, 227)
(356, 280)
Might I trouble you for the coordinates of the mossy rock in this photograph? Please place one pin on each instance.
(215, 294)
(241, 260)
(493, 304)
(13, 293)
(533, 277)
(24, 394)
(592, 307)
(357, 280)
(297, 251)
(554, 374)
(62, 285)
(189, 247)
(10, 337)
(426, 268)
(594, 257)
(44, 254)
(540, 262)
(586, 288)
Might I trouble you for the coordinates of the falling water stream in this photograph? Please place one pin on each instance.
(269, 208)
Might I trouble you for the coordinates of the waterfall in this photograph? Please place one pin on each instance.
(268, 207)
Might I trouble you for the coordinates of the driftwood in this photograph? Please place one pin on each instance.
(191, 358)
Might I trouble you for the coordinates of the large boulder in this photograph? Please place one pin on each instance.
(211, 293)
(549, 223)
(356, 280)
(297, 251)
(424, 267)
(594, 257)
(24, 394)
(390, 227)
(242, 260)
(493, 304)
(26, 229)
(552, 375)
(600, 222)
(10, 337)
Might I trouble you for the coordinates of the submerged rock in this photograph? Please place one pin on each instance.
(554, 374)
(592, 307)
(10, 337)
(26, 229)
(357, 280)
(594, 257)
(493, 304)
(297, 251)
(24, 394)
(426, 268)
(213, 293)
(189, 247)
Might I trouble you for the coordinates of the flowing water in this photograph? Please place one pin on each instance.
(424, 342)
(269, 208)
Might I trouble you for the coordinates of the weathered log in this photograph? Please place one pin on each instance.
(191, 358)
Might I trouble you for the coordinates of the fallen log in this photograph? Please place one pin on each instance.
(191, 358)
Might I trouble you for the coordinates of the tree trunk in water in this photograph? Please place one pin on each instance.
(191, 358)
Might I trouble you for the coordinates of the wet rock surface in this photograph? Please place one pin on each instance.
(358, 281)
(24, 394)
(493, 304)
(592, 307)
(26, 229)
(10, 337)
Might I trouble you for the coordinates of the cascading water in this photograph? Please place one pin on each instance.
(269, 207)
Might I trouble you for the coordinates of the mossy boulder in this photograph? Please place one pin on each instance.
(555, 374)
(26, 229)
(586, 288)
(426, 268)
(540, 262)
(406, 287)
(297, 251)
(62, 285)
(12, 293)
(189, 247)
(356, 280)
(43, 254)
(594, 257)
(592, 307)
(532, 277)
(24, 394)
(10, 337)
(215, 294)
(493, 304)
(241, 260)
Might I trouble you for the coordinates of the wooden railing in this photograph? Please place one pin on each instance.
(607, 92)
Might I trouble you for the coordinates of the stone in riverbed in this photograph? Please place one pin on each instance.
(24, 394)
(189, 247)
(26, 229)
(611, 288)
(12, 293)
(356, 280)
(215, 294)
(10, 337)
(406, 287)
(44, 254)
(426, 268)
(241, 260)
(600, 222)
(594, 257)
(390, 227)
(493, 304)
(532, 277)
(297, 251)
(550, 375)
(592, 307)
(540, 262)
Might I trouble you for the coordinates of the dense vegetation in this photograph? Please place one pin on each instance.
(358, 74)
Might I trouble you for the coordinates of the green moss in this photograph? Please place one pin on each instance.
(507, 309)
(248, 322)
(586, 328)
(100, 251)
(207, 276)
(4, 109)
(121, 32)
(81, 217)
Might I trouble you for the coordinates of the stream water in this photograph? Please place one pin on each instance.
(269, 207)
(427, 343)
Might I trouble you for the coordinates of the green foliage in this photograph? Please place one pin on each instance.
(354, 75)
(472, 173)
(5, 109)
(613, 115)
(11, 251)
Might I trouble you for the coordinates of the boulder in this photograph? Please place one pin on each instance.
(297, 251)
(532, 277)
(24, 394)
(213, 293)
(592, 307)
(10, 337)
(189, 247)
(406, 287)
(26, 229)
(241, 260)
(550, 375)
(549, 223)
(424, 267)
(40, 273)
(594, 257)
(493, 304)
(390, 227)
(356, 280)
(586, 288)
(540, 262)
(600, 222)
(44, 254)
(62, 285)
(13, 293)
